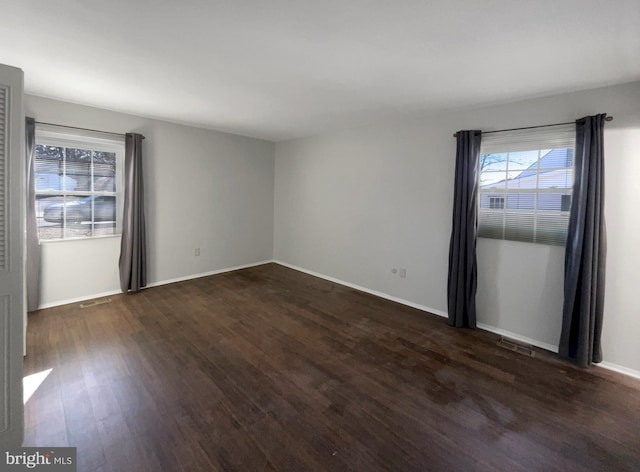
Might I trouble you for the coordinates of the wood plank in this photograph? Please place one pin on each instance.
(270, 369)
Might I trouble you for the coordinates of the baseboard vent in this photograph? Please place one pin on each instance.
(516, 346)
(95, 302)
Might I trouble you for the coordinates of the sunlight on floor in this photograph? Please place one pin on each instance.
(31, 383)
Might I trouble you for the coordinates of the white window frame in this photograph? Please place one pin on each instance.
(70, 138)
(524, 140)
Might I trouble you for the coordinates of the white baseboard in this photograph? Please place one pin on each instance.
(620, 369)
(149, 285)
(206, 274)
(503, 332)
(518, 337)
(83, 298)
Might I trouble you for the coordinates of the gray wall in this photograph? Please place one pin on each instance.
(203, 189)
(352, 205)
(355, 204)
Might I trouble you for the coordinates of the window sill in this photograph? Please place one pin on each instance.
(93, 238)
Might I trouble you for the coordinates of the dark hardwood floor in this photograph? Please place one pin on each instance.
(268, 369)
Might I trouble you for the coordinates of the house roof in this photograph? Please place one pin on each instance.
(552, 174)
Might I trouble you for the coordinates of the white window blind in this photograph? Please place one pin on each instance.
(526, 180)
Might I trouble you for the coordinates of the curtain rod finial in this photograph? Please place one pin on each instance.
(608, 118)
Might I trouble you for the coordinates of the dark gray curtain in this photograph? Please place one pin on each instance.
(462, 280)
(133, 248)
(33, 245)
(586, 249)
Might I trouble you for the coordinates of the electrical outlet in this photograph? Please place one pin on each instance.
(403, 273)
(196, 251)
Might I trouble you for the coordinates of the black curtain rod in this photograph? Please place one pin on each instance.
(83, 129)
(607, 118)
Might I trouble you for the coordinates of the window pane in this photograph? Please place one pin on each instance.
(493, 180)
(104, 209)
(54, 213)
(521, 201)
(104, 171)
(77, 170)
(552, 228)
(50, 228)
(493, 162)
(556, 178)
(554, 202)
(519, 226)
(523, 160)
(523, 180)
(48, 152)
(104, 215)
(492, 224)
(556, 158)
(79, 216)
(48, 167)
(104, 228)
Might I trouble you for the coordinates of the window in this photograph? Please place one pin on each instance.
(496, 203)
(526, 179)
(77, 183)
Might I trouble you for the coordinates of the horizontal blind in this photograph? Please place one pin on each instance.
(555, 137)
(525, 187)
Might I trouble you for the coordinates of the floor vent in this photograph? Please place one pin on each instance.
(516, 346)
(100, 301)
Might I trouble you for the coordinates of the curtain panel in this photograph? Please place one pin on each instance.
(586, 249)
(463, 272)
(133, 246)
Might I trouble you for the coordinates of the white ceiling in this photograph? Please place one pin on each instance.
(280, 69)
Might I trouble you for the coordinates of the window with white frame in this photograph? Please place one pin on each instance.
(526, 180)
(496, 203)
(78, 183)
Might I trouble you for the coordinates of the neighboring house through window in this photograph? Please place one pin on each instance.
(78, 183)
(526, 179)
